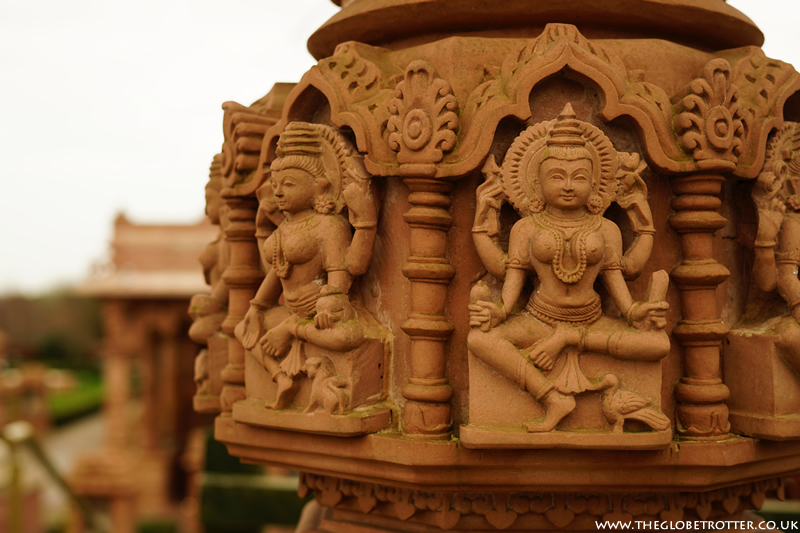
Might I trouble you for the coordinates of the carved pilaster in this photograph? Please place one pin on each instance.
(422, 127)
(243, 277)
(427, 412)
(701, 411)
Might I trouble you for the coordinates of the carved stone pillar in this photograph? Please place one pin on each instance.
(117, 376)
(242, 277)
(427, 411)
(701, 411)
(539, 166)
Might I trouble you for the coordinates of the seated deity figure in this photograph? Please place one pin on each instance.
(312, 256)
(762, 350)
(208, 311)
(561, 176)
(776, 195)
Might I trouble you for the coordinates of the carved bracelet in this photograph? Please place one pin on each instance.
(259, 304)
(629, 315)
(364, 225)
(764, 244)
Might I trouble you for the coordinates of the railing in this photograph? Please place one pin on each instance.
(19, 435)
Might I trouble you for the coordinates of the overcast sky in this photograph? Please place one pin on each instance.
(113, 106)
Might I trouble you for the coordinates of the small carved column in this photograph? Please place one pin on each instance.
(427, 412)
(701, 411)
(421, 129)
(242, 276)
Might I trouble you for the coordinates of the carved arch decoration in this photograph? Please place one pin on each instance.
(359, 83)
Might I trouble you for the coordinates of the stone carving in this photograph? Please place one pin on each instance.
(764, 84)
(326, 386)
(711, 122)
(767, 407)
(359, 78)
(318, 330)
(528, 511)
(424, 117)
(209, 311)
(244, 129)
(560, 176)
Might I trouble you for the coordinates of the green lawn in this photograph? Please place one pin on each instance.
(86, 398)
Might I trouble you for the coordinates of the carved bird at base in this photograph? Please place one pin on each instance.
(620, 405)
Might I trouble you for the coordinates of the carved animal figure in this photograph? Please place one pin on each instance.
(327, 387)
(620, 405)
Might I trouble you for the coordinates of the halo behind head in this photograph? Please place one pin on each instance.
(565, 138)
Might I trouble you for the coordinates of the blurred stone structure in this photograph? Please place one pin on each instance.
(24, 392)
(484, 262)
(146, 356)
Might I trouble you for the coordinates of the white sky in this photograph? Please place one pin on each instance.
(113, 105)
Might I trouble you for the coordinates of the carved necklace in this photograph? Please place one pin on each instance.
(569, 234)
(282, 267)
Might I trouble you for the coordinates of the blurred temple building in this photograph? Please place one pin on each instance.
(147, 356)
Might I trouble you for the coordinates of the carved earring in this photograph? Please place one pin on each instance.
(536, 204)
(595, 204)
(324, 204)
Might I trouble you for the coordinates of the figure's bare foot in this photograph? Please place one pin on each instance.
(287, 388)
(545, 352)
(556, 406)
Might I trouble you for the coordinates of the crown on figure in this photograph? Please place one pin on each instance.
(567, 130)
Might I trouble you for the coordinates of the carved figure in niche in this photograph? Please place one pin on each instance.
(561, 176)
(312, 258)
(327, 387)
(776, 195)
(208, 311)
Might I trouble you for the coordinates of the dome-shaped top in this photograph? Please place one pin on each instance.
(703, 24)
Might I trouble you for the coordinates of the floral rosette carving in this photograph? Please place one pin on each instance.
(710, 120)
(424, 117)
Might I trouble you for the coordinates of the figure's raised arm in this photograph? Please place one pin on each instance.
(485, 229)
(362, 208)
(632, 197)
(612, 275)
(771, 209)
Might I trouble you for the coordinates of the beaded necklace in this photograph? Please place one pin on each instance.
(569, 234)
(281, 266)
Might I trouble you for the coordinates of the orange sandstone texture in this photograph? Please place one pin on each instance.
(482, 263)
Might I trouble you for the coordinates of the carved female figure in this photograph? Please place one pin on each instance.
(208, 311)
(561, 176)
(776, 194)
(312, 256)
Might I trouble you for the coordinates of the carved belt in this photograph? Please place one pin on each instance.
(550, 314)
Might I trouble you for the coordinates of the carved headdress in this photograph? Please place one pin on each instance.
(324, 153)
(782, 166)
(564, 138)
